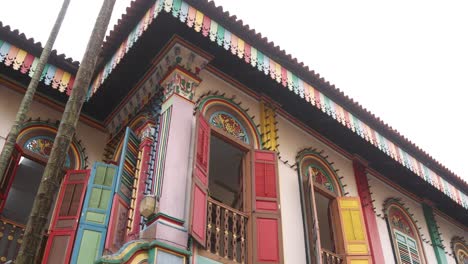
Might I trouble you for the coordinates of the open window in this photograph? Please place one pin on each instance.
(234, 193)
(334, 224)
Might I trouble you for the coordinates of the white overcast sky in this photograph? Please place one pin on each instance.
(405, 61)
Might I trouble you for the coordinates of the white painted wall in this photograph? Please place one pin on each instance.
(293, 139)
(449, 230)
(92, 139)
(381, 192)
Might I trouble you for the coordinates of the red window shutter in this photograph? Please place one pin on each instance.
(10, 172)
(198, 212)
(266, 216)
(65, 217)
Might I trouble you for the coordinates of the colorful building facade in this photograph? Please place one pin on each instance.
(201, 142)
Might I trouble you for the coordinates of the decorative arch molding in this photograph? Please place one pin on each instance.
(211, 103)
(36, 139)
(459, 249)
(140, 124)
(322, 168)
(401, 225)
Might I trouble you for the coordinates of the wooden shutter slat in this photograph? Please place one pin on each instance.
(352, 235)
(200, 180)
(65, 217)
(94, 219)
(266, 223)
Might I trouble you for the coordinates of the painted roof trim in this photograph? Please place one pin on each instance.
(245, 51)
(19, 59)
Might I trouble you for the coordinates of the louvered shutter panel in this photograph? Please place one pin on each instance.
(123, 200)
(407, 249)
(200, 181)
(65, 218)
(10, 172)
(311, 222)
(350, 228)
(94, 220)
(266, 216)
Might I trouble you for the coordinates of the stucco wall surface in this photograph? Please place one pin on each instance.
(381, 192)
(92, 139)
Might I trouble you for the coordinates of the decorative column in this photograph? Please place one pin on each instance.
(434, 233)
(139, 188)
(368, 212)
(173, 159)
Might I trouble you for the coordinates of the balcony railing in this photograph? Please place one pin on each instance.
(226, 232)
(329, 257)
(11, 237)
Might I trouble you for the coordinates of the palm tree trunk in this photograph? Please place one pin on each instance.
(29, 95)
(53, 174)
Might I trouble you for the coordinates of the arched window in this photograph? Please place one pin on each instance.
(460, 250)
(36, 140)
(320, 188)
(235, 194)
(406, 242)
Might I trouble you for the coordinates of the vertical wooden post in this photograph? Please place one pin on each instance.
(368, 212)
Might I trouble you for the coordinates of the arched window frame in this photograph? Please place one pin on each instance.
(398, 233)
(43, 130)
(315, 160)
(306, 159)
(460, 250)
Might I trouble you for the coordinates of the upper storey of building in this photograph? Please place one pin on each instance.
(245, 59)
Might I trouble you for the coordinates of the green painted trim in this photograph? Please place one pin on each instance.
(154, 216)
(152, 256)
(434, 233)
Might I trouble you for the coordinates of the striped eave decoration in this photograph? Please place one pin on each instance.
(203, 24)
(26, 63)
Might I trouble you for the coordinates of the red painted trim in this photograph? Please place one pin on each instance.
(113, 223)
(184, 71)
(369, 215)
(10, 179)
(145, 148)
(56, 217)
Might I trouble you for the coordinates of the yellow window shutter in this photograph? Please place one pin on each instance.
(351, 236)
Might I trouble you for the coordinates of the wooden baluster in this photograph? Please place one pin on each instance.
(10, 238)
(234, 237)
(19, 241)
(209, 226)
(3, 257)
(226, 233)
(218, 228)
(242, 237)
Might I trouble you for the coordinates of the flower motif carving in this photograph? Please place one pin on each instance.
(230, 125)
